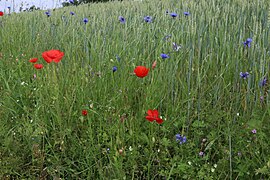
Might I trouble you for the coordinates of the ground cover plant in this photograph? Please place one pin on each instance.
(160, 89)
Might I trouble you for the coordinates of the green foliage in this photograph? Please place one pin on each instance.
(78, 2)
(32, 8)
(198, 92)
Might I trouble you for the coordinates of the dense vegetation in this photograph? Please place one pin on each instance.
(78, 2)
(87, 116)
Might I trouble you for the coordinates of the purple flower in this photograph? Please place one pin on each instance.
(85, 20)
(181, 139)
(48, 13)
(72, 13)
(176, 47)
(263, 82)
(122, 19)
(148, 19)
(174, 15)
(254, 131)
(201, 153)
(71, 1)
(114, 68)
(247, 42)
(244, 75)
(164, 56)
(186, 13)
(167, 11)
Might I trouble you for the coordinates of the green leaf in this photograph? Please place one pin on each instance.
(165, 142)
(198, 124)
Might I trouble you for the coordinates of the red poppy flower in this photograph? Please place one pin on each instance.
(84, 112)
(153, 116)
(38, 66)
(141, 71)
(1, 13)
(33, 60)
(52, 55)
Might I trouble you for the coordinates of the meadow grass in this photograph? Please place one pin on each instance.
(198, 92)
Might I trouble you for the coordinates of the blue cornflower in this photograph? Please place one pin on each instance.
(263, 82)
(72, 13)
(174, 15)
(244, 75)
(247, 42)
(176, 47)
(122, 19)
(167, 11)
(181, 139)
(164, 56)
(8, 7)
(186, 13)
(148, 19)
(114, 68)
(48, 13)
(71, 1)
(85, 20)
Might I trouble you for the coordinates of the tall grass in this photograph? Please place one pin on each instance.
(198, 92)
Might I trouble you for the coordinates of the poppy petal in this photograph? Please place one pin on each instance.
(155, 113)
(46, 57)
(53, 55)
(159, 121)
(58, 59)
(141, 71)
(153, 116)
(150, 112)
(150, 118)
(33, 60)
(38, 66)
